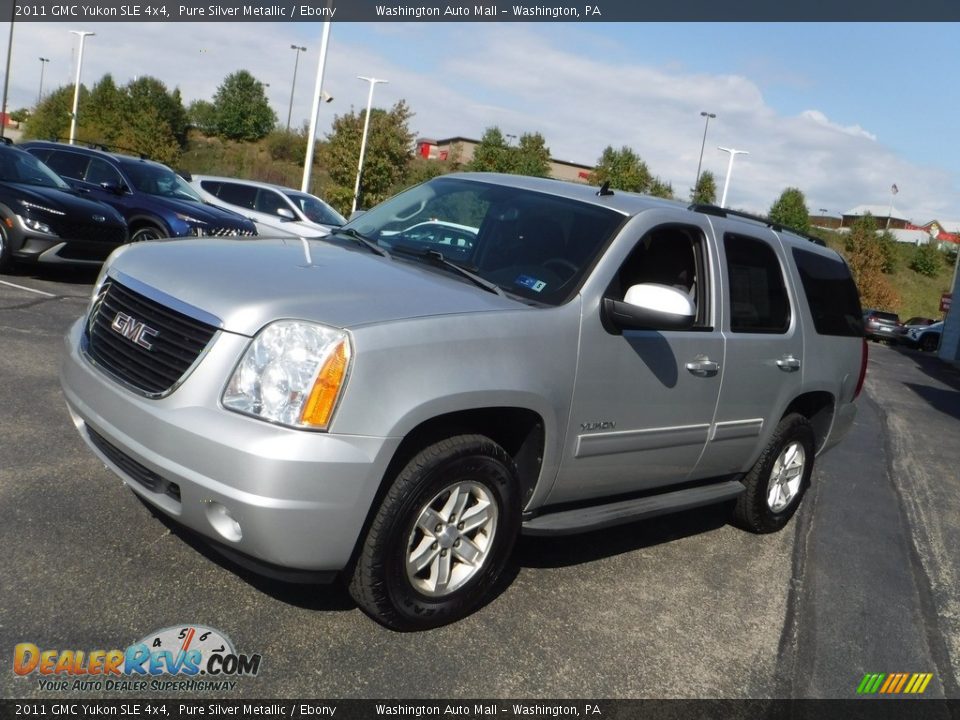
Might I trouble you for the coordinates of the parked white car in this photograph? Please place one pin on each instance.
(275, 210)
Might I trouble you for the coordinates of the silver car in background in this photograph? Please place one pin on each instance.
(277, 211)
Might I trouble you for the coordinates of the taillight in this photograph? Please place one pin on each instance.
(863, 369)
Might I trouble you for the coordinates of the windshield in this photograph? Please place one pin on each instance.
(158, 180)
(315, 209)
(21, 167)
(531, 244)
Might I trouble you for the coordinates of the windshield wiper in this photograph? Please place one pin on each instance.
(361, 239)
(437, 257)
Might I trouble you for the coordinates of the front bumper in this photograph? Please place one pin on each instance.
(284, 497)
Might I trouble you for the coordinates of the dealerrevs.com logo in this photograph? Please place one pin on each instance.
(185, 658)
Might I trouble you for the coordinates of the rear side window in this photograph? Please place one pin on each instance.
(68, 164)
(758, 297)
(235, 194)
(831, 294)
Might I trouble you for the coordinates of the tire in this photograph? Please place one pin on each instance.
(778, 480)
(146, 232)
(6, 252)
(460, 476)
(929, 342)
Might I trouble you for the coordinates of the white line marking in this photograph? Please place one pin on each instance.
(21, 287)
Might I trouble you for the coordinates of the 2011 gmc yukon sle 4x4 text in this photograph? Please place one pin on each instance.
(399, 407)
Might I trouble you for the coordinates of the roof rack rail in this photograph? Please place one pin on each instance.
(103, 147)
(717, 211)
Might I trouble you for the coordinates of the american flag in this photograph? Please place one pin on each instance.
(894, 189)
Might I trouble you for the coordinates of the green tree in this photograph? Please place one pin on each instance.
(20, 115)
(706, 190)
(927, 260)
(866, 263)
(102, 112)
(241, 109)
(661, 189)
(790, 210)
(149, 93)
(531, 156)
(203, 115)
(492, 153)
(385, 165)
(51, 118)
(624, 170)
(888, 248)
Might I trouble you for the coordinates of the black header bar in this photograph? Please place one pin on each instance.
(863, 11)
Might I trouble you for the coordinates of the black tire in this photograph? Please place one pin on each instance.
(6, 252)
(929, 342)
(754, 510)
(382, 584)
(146, 232)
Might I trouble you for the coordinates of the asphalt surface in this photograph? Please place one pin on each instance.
(864, 579)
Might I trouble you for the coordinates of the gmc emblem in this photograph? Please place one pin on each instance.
(134, 330)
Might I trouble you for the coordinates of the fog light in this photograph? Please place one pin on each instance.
(222, 521)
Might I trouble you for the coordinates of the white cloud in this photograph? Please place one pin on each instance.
(581, 91)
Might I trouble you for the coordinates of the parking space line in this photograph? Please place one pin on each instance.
(22, 287)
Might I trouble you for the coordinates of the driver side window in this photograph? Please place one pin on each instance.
(671, 255)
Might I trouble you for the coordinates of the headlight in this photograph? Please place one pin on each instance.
(35, 225)
(292, 374)
(44, 208)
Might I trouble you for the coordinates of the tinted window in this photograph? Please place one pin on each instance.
(68, 164)
(21, 167)
(758, 298)
(241, 195)
(831, 294)
(102, 172)
(211, 186)
(269, 201)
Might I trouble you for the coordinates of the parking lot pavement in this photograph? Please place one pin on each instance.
(683, 606)
(920, 400)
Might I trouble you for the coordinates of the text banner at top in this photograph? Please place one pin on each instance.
(501, 11)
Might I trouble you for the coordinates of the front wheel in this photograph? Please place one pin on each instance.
(441, 537)
(929, 342)
(6, 252)
(147, 232)
(778, 480)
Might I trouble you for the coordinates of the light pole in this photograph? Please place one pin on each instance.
(82, 34)
(706, 124)
(363, 141)
(726, 183)
(315, 109)
(293, 85)
(43, 64)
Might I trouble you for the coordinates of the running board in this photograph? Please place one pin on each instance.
(595, 517)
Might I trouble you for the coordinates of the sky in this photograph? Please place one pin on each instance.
(841, 111)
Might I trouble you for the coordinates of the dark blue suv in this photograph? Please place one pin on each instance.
(155, 201)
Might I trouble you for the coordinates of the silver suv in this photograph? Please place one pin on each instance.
(399, 406)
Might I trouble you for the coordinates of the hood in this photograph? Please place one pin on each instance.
(251, 283)
(209, 214)
(66, 201)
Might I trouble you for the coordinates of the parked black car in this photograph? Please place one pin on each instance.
(155, 201)
(43, 220)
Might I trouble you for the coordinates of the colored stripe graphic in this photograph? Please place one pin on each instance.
(894, 683)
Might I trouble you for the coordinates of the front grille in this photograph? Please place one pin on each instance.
(175, 340)
(131, 468)
(102, 233)
(227, 232)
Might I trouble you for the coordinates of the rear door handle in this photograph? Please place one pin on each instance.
(788, 363)
(703, 367)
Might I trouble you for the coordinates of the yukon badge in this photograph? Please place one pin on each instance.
(134, 330)
(601, 425)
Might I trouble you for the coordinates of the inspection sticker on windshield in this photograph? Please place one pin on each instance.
(529, 282)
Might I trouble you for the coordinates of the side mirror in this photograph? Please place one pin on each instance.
(651, 306)
(115, 188)
(286, 214)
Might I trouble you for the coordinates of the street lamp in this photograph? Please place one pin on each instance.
(43, 64)
(726, 183)
(82, 34)
(293, 85)
(363, 142)
(706, 124)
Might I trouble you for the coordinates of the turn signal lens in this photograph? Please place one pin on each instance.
(326, 388)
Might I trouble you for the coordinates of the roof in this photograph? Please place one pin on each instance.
(243, 181)
(878, 211)
(915, 237)
(950, 226)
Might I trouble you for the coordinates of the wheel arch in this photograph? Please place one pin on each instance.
(818, 407)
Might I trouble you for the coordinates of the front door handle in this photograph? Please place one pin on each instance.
(788, 363)
(703, 367)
